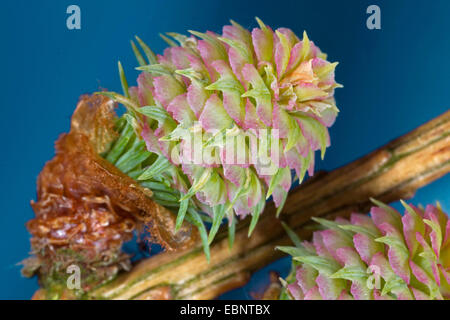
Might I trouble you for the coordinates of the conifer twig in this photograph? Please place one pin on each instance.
(394, 171)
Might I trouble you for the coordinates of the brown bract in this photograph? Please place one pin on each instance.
(86, 208)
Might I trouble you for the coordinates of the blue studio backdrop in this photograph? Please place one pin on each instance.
(395, 79)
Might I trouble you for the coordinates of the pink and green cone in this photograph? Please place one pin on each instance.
(266, 88)
(381, 256)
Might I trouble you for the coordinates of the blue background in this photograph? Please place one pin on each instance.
(395, 79)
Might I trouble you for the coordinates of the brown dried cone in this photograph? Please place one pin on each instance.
(86, 208)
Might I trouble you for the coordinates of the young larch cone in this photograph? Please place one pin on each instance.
(381, 256)
(233, 114)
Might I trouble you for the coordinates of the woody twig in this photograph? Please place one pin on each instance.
(394, 171)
